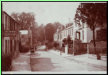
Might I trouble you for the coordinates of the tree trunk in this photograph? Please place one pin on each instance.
(94, 42)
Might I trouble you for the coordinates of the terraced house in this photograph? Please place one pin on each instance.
(10, 39)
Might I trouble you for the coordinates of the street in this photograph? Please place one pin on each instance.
(54, 37)
(47, 61)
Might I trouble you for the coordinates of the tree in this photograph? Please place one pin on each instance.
(40, 33)
(56, 25)
(94, 14)
(35, 34)
(49, 31)
(24, 19)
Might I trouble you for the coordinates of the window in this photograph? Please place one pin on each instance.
(10, 24)
(5, 22)
(78, 35)
(15, 45)
(72, 31)
(13, 26)
(11, 45)
(83, 34)
(58, 36)
(2, 18)
(65, 33)
(68, 31)
(6, 45)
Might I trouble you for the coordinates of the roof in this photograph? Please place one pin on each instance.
(10, 16)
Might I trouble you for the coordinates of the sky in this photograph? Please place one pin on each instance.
(45, 12)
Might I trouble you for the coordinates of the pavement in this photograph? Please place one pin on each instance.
(22, 62)
(88, 59)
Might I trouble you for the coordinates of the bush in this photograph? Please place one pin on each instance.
(49, 45)
(55, 44)
(24, 49)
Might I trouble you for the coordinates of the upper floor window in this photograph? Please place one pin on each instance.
(72, 31)
(78, 35)
(2, 18)
(8, 23)
(83, 34)
(5, 22)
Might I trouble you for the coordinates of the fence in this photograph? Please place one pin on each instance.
(101, 47)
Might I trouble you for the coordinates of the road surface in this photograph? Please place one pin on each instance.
(47, 61)
(43, 60)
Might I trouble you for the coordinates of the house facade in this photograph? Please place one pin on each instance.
(83, 33)
(10, 35)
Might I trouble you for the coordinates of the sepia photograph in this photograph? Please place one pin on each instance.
(54, 37)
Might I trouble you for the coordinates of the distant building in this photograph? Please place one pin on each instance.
(63, 32)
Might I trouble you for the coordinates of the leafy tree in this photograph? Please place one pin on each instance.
(35, 34)
(94, 14)
(56, 25)
(41, 33)
(49, 31)
(25, 19)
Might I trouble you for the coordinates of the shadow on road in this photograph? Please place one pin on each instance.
(41, 64)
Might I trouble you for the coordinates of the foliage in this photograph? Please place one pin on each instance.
(45, 33)
(24, 19)
(49, 45)
(49, 31)
(41, 33)
(94, 14)
(56, 44)
(65, 41)
(101, 35)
